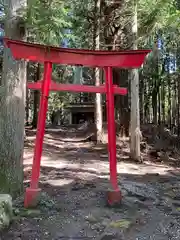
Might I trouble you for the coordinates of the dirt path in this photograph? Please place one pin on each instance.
(74, 181)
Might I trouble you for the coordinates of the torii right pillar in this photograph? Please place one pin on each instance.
(114, 194)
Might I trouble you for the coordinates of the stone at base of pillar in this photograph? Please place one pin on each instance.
(31, 197)
(114, 198)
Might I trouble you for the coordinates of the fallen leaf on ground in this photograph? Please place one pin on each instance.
(120, 224)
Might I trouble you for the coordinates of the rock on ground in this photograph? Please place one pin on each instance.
(5, 210)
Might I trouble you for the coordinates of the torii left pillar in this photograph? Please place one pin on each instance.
(33, 191)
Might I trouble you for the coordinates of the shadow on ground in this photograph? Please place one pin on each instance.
(150, 208)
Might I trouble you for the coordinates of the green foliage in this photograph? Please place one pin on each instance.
(82, 23)
(155, 19)
(47, 20)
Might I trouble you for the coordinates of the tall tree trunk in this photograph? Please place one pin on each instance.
(163, 101)
(12, 102)
(98, 100)
(141, 94)
(27, 106)
(114, 40)
(174, 105)
(120, 78)
(36, 97)
(155, 84)
(178, 80)
(146, 102)
(169, 102)
(135, 133)
(154, 105)
(178, 110)
(159, 105)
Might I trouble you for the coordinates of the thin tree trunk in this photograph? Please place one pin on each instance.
(98, 100)
(141, 94)
(169, 103)
(146, 102)
(135, 133)
(154, 106)
(174, 106)
(12, 111)
(178, 81)
(155, 84)
(36, 98)
(163, 101)
(159, 106)
(27, 106)
(178, 114)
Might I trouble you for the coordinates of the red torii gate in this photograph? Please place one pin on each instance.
(49, 55)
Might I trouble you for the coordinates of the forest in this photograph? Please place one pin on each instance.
(147, 118)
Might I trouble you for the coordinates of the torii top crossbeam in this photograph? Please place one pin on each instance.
(43, 53)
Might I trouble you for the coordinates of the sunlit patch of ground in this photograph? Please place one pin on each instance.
(87, 157)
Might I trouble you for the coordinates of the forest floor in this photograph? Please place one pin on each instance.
(74, 181)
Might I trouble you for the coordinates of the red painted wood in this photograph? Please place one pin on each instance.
(42, 53)
(49, 55)
(111, 128)
(76, 88)
(41, 126)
